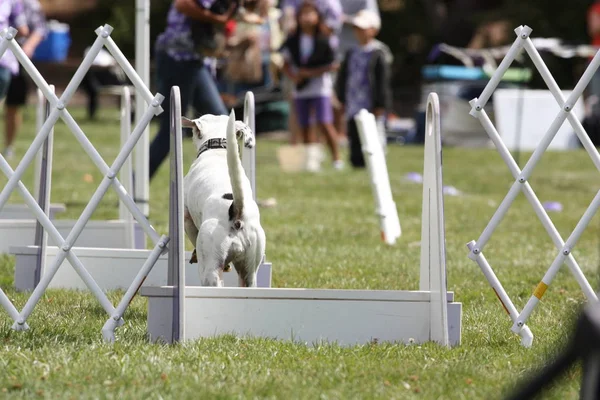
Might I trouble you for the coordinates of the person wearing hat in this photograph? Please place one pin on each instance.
(363, 81)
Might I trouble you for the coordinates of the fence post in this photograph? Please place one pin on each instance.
(44, 189)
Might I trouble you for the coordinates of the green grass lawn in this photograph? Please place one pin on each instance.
(322, 234)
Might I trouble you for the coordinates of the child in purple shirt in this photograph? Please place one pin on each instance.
(309, 60)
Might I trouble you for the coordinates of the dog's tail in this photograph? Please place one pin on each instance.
(236, 170)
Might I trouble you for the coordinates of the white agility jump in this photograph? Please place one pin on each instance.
(521, 183)
(178, 312)
(114, 268)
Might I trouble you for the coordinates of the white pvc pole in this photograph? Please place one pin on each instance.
(385, 207)
(44, 190)
(127, 170)
(40, 115)
(142, 66)
(176, 260)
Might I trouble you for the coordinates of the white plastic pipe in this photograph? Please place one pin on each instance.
(142, 66)
(126, 171)
(378, 173)
(44, 190)
(40, 115)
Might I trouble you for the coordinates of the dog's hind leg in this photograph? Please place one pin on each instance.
(191, 232)
(248, 270)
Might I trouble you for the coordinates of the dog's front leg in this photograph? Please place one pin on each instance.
(212, 246)
(247, 271)
(244, 132)
(212, 274)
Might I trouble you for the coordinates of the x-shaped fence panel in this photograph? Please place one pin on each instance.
(58, 110)
(521, 183)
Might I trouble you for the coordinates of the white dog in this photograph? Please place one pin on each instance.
(221, 217)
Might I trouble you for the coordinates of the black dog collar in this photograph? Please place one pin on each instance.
(220, 143)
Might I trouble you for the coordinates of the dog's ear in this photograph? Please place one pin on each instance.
(187, 123)
(195, 125)
(198, 128)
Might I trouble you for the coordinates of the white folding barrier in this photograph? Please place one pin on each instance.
(21, 211)
(521, 183)
(66, 250)
(373, 151)
(178, 312)
(16, 234)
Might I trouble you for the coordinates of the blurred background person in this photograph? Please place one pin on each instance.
(364, 79)
(330, 25)
(347, 40)
(180, 62)
(350, 8)
(593, 29)
(248, 51)
(12, 13)
(105, 71)
(309, 60)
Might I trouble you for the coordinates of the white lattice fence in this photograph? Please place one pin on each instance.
(521, 183)
(57, 109)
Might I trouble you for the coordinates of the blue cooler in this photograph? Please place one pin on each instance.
(55, 46)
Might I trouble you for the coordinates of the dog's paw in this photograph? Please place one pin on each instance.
(227, 268)
(194, 258)
(249, 139)
(244, 132)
